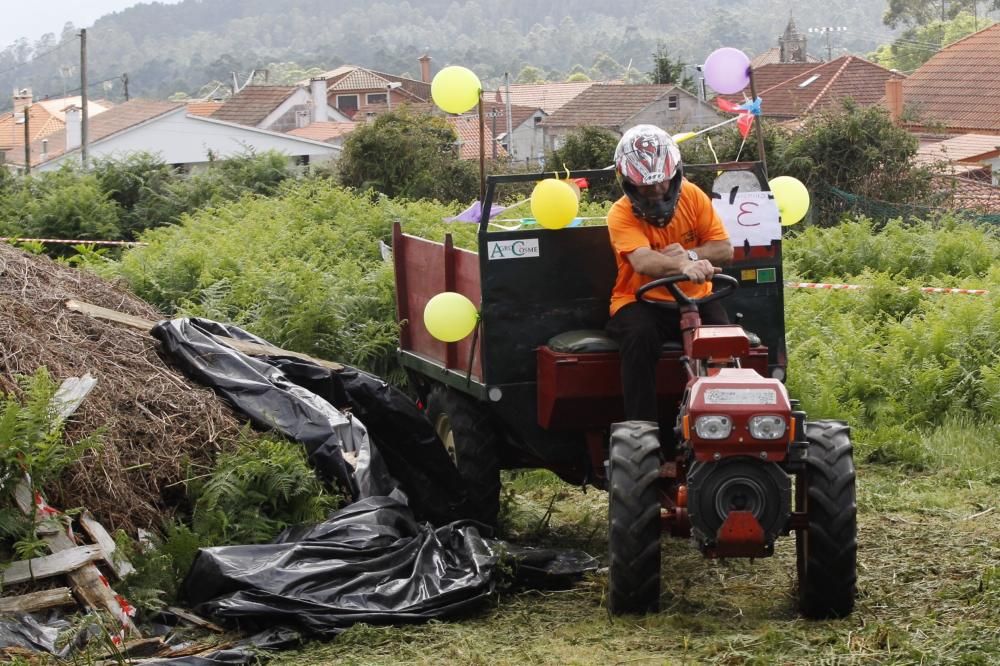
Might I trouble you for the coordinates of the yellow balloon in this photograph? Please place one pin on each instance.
(554, 203)
(456, 89)
(792, 199)
(450, 316)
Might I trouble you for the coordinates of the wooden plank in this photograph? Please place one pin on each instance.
(249, 348)
(195, 619)
(36, 601)
(88, 584)
(55, 564)
(118, 563)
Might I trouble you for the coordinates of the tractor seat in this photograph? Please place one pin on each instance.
(595, 340)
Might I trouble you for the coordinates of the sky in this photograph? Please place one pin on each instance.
(27, 19)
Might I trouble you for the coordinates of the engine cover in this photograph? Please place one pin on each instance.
(737, 484)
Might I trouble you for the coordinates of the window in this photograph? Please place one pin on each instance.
(674, 102)
(376, 98)
(348, 104)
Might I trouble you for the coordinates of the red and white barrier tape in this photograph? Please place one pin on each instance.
(852, 287)
(14, 239)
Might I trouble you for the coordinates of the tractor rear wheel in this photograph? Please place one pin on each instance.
(826, 552)
(634, 518)
(472, 443)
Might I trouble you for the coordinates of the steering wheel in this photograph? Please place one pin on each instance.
(729, 285)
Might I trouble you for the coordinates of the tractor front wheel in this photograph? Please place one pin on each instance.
(634, 518)
(826, 552)
(472, 444)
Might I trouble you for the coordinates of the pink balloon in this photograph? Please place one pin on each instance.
(727, 70)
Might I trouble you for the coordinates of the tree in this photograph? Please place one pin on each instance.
(588, 148)
(858, 150)
(917, 45)
(668, 70)
(409, 155)
(921, 12)
(530, 74)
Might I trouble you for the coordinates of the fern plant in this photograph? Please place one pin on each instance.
(32, 434)
(257, 491)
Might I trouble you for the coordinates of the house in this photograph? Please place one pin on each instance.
(619, 107)
(792, 48)
(279, 108)
(957, 91)
(789, 94)
(350, 87)
(327, 132)
(44, 118)
(166, 129)
(971, 156)
(549, 97)
(466, 126)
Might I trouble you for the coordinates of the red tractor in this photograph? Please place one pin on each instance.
(733, 464)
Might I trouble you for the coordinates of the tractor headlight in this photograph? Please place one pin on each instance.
(713, 427)
(768, 427)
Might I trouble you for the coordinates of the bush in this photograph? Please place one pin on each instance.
(70, 205)
(138, 183)
(588, 148)
(408, 155)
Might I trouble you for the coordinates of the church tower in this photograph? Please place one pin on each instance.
(792, 44)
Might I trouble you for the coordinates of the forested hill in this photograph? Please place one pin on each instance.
(166, 49)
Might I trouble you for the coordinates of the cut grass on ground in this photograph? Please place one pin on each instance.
(929, 592)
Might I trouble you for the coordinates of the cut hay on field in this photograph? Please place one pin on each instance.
(158, 427)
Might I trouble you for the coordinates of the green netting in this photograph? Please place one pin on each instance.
(877, 209)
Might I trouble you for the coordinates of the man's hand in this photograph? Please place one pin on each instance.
(699, 271)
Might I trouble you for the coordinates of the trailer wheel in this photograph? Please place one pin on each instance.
(472, 444)
(634, 518)
(826, 552)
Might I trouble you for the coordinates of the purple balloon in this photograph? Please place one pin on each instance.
(727, 70)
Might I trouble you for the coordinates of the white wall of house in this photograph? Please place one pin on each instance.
(994, 165)
(528, 140)
(188, 140)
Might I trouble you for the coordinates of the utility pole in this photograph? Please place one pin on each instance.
(827, 30)
(125, 84)
(84, 120)
(27, 142)
(510, 126)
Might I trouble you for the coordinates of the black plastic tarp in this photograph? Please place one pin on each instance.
(374, 561)
(358, 431)
(370, 562)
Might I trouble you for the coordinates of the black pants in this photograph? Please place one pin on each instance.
(640, 330)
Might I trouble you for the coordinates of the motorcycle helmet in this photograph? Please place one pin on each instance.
(646, 155)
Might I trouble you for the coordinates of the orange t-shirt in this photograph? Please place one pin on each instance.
(694, 223)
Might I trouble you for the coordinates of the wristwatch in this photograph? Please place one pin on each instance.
(692, 255)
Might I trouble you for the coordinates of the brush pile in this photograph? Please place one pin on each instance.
(158, 428)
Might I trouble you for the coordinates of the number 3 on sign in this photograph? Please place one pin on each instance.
(747, 208)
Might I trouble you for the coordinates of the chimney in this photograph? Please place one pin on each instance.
(894, 98)
(319, 103)
(425, 68)
(22, 100)
(74, 135)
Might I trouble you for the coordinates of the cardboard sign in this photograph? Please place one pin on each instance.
(750, 216)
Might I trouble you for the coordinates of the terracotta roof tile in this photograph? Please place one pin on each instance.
(970, 148)
(794, 90)
(252, 105)
(970, 194)
(360, 79)
(112, 121)
(545, 96)
(467, 128)
(204, 107)
(45, 117)
(353, 78)
(606, 105)
(942, 90)
(326, 131)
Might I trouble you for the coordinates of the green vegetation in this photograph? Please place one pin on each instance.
(409, 155)
(918, 44)
(31, 431)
